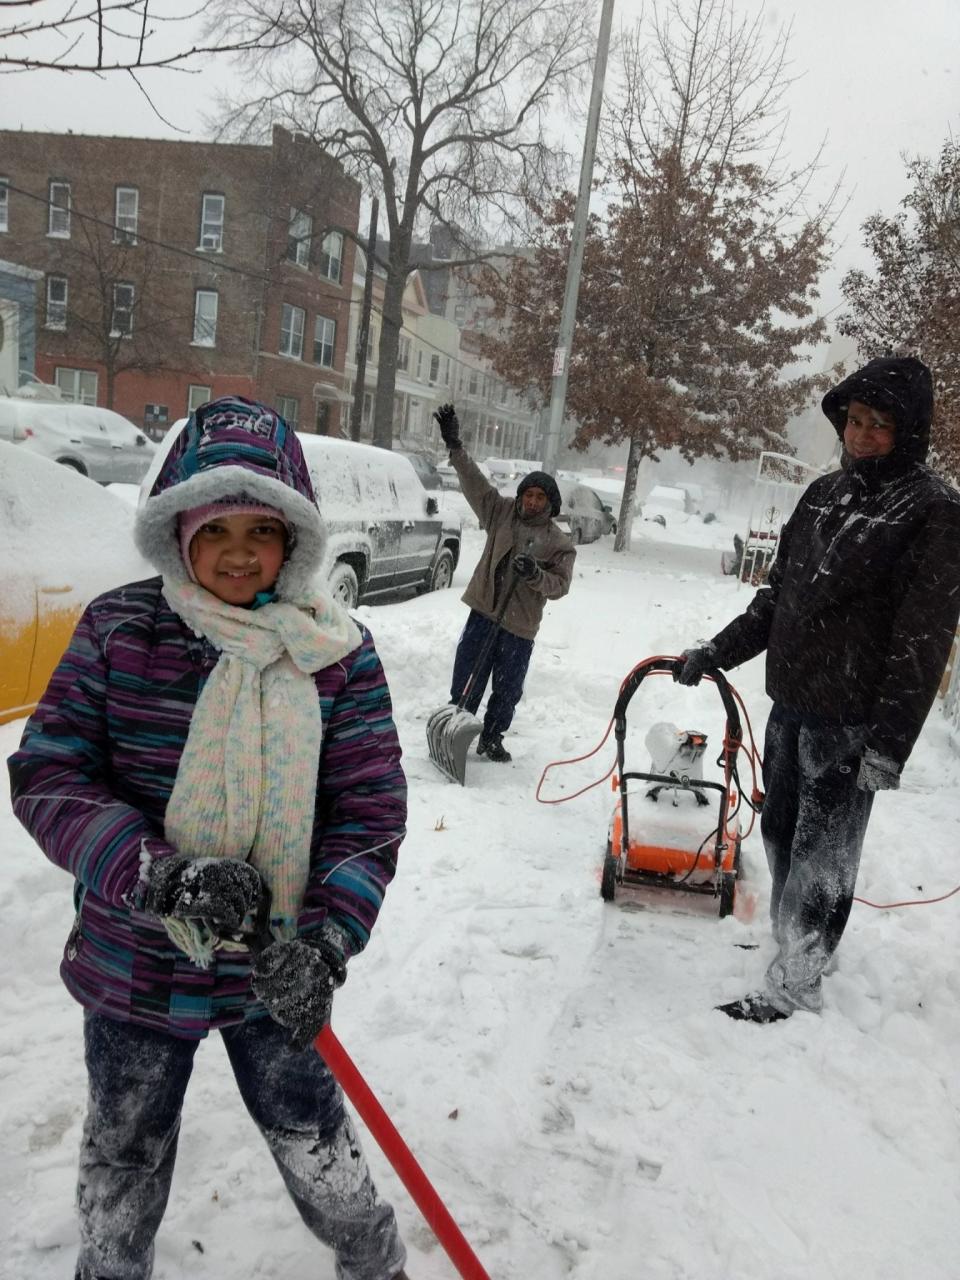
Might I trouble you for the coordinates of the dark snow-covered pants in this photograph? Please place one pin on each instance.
(813, 821)
(507, 661)
(137, 1080)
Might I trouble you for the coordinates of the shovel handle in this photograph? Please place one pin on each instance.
(400, 1156)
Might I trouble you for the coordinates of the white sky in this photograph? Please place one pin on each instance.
(878, 77)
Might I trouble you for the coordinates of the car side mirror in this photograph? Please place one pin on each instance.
(433, 506)
(141, 439)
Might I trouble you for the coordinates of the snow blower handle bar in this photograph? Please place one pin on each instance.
(344, 1071)
(666, 666)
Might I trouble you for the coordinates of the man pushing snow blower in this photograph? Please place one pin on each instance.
(857, 617)
(526, 561)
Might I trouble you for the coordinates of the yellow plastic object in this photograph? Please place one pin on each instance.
(31, 647)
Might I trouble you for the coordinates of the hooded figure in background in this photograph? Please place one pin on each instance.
(857, 616)
(217, 746)
(522, 543)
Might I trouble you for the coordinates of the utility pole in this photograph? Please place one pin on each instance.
(363, 332)
(568, 316)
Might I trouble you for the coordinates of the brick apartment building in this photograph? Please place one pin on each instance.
(174, 272)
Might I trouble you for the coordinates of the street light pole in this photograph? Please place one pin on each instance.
(363, 331)
(568, 316)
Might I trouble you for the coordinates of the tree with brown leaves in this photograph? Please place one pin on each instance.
(699, 279)
(910, 303)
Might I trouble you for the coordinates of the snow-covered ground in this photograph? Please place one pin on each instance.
(555, 1062)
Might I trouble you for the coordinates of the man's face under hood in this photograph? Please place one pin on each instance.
(868, 433)
(533, 503)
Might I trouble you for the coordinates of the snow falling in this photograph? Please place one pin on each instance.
(555, 1062)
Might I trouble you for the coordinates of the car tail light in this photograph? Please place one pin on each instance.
(22, 433)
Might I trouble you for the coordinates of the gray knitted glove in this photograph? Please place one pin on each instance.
(695, 663)
(877, 772)
(222, 891)
(296, 981)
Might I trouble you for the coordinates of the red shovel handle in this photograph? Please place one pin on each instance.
(400, 1156)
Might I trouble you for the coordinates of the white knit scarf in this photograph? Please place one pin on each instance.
(247, 781)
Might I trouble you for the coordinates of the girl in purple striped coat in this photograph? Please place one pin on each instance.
(214, 739)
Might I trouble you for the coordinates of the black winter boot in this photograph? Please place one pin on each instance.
(753, 1008)
(491, 746)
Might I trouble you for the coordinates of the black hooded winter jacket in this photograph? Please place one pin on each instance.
(861, 604)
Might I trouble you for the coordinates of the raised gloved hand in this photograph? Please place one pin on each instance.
(449, 424)
(877, 772)
(296, 981)
(694, 664)
(222, 891)
(526, 567)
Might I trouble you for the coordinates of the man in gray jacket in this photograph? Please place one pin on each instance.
(522, 540)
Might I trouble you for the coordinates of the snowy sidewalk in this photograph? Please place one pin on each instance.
(555, 1062)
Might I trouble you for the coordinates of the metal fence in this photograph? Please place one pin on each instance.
(780, 481)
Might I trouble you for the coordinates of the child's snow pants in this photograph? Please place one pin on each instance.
(137, 1080)
(813, 822)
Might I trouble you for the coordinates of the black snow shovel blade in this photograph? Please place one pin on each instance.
(451, 732)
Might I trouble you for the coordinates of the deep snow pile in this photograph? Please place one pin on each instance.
(555, 1062)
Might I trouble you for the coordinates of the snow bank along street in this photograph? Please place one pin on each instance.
(555, 1062)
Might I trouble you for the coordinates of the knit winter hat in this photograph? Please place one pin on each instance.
(189, 522)
(234, 450)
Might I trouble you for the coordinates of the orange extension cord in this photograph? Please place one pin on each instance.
(753, 755)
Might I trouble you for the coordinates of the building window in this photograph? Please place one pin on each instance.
(196, 396)
(403, 354)
(324, 340)
(56, 302)
(58, 210)
(298, 238)
(419, 364)
(446, 371)
(434, 370)
(291, 331)
(288, 408)
(78, 386)
(473, 382)
(206, 304)
(211, 222)
(121, 322)
(331, 256)
(126, 215)
(4, 204)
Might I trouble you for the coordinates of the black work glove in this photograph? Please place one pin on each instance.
(526, 567)
(877, 772)
(296, 981)
(694, 664)
(449, 424)
(222, 891)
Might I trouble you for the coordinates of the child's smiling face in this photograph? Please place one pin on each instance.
(238, 555)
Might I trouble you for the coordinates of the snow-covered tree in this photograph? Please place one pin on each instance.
(909, 304)
(699, 277)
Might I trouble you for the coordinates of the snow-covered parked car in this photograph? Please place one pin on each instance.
(585, 513)
(96, 442)
(384, 531)
(63, 541)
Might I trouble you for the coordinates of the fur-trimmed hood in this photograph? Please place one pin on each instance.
(234, 448)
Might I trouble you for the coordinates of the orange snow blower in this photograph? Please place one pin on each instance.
(657, 835)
